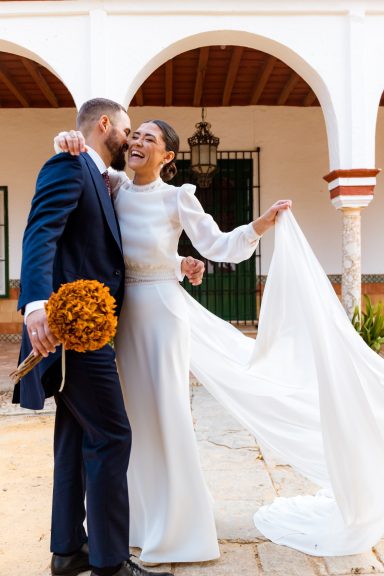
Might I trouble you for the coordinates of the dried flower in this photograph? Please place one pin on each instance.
(81, 315)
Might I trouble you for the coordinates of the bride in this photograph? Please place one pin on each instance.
(171, 510)
(308, 388)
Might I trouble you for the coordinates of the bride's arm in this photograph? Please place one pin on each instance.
(117, 178)
(210, 241)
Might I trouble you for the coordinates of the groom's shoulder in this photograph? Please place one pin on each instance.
(62, 168)
(63, 158)
(62, 162)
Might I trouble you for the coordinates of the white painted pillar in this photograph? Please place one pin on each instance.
(98, 22)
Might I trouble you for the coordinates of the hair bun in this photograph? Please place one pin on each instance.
(168, 171)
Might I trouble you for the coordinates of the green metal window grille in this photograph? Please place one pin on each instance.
(230, 291)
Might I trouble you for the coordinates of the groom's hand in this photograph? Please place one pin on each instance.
(193, 270)
(42, 340)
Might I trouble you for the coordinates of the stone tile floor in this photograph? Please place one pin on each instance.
(8, 359)
(239, 475)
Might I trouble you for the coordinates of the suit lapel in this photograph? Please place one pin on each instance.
(105, 201)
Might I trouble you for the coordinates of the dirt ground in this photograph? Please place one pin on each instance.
(25, 493)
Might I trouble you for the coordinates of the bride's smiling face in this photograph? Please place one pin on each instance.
(146, 150)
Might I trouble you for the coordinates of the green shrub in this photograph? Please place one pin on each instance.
(370, 323)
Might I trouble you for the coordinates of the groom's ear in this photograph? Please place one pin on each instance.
(104, 123)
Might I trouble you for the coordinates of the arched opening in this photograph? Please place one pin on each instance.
(372, 246)
(25, 83)
(34, 105)
(224, 76)
(298, 66)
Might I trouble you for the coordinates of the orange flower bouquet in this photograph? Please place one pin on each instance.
(81, 315)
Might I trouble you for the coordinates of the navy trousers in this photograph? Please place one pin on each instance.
(91, 447)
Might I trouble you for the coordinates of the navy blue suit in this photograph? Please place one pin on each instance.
(72, 233)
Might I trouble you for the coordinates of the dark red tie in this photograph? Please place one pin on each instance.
(107, 181)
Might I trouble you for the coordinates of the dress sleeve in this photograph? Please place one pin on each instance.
(178, 261)
(206, 236)
(117, 178)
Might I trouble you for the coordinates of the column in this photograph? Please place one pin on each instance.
(351, 259)
(98, 42)
(350, 191)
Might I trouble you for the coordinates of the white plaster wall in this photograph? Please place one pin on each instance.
(294, 158)
(25, 144)
(111, 46)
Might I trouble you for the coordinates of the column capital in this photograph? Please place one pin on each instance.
(352, 188)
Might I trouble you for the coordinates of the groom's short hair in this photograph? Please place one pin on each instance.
(91, 111)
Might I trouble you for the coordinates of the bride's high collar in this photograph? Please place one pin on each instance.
(147, 187)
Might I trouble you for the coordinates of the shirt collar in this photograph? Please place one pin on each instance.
(97, 159)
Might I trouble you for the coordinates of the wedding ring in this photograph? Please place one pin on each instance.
(33, 333)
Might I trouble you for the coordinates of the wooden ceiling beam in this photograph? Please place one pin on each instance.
(287, 89)
(262, 80)
(169, 83)
(309, 98)
(41, 82)
(139, 97)
(232, 74)
(4, 77)
(200, 75)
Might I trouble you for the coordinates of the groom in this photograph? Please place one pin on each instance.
(72, 233)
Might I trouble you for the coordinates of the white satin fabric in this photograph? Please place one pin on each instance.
(309, 388)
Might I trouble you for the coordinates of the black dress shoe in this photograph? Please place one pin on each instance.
(129, 568)
(71, 565)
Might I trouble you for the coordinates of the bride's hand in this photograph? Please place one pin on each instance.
(193, 270)
(268, 219)
(72, 142)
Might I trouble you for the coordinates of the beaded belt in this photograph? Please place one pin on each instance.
(147, 275)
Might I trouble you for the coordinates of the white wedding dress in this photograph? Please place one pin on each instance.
(309, 388)
(171, 510)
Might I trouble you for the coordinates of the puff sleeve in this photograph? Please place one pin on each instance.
(206, 236)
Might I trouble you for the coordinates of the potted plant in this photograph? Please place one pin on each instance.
(369, 323)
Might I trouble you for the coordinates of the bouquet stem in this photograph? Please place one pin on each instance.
(30, 361)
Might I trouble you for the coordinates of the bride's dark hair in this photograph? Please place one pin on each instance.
(172, 144)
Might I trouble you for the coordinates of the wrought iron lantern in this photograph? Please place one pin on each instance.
(203, 146)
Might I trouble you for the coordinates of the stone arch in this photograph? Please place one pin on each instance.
(19, 50)
(7, 46)
(251, 40)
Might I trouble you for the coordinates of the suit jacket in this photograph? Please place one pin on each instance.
(72, 233)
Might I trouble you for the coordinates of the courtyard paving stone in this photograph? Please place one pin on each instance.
(241, 476)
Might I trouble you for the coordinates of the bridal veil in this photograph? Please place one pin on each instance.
(312, 391)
